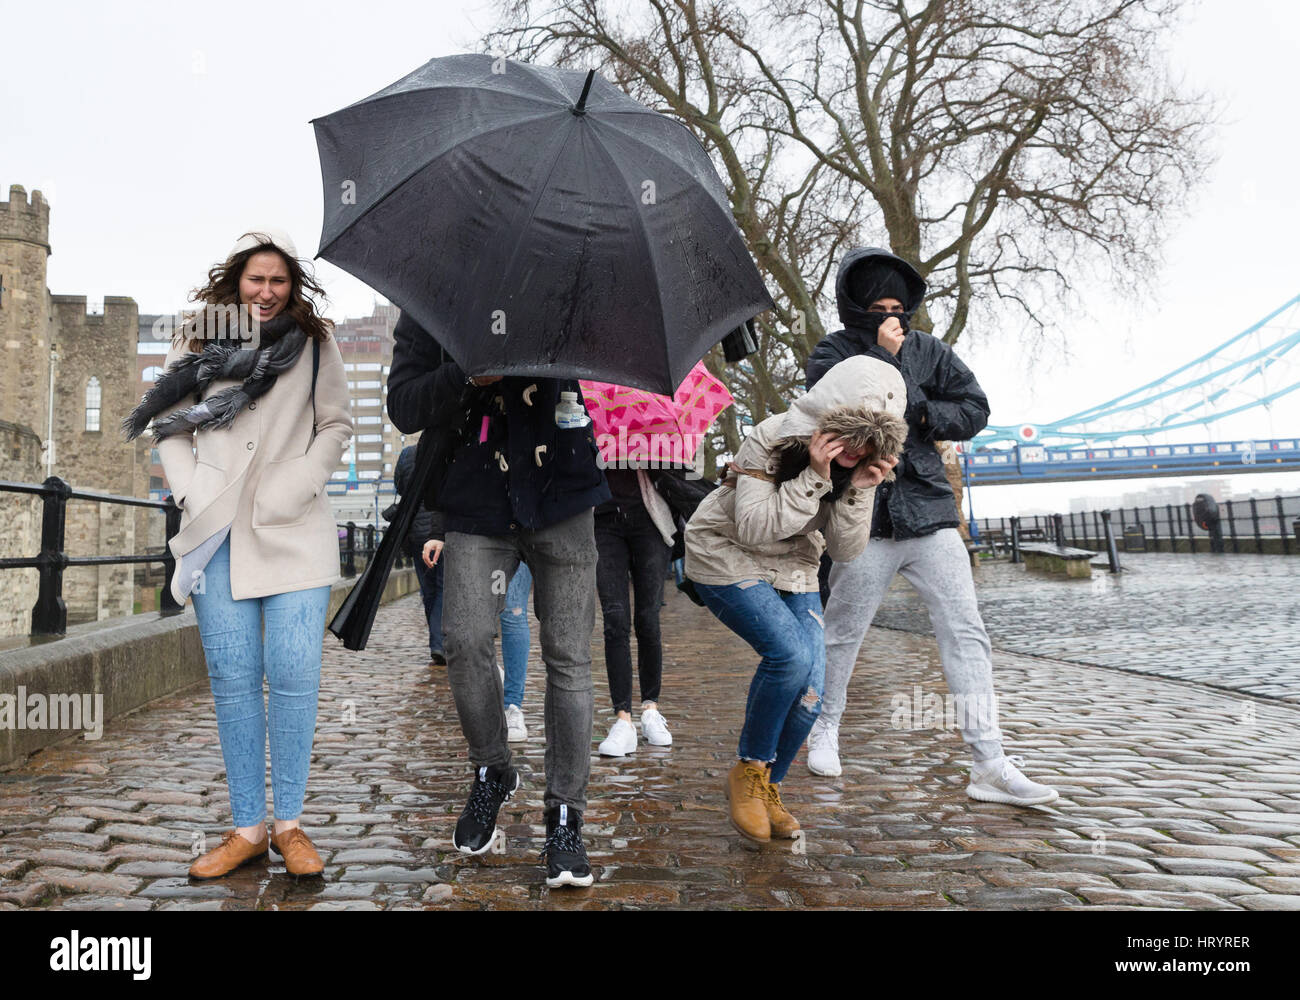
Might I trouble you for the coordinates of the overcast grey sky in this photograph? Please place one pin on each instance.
(160, 131)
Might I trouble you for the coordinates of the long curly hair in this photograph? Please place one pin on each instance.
(222, 289)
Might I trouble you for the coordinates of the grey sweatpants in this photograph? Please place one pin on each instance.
(938, 566)
(479, 567)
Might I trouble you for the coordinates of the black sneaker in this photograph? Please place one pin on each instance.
(478, 823)
(566, 857)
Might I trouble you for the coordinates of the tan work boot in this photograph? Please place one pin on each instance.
(223, 859)
(783, 824)
(747, 792)
(300, 857)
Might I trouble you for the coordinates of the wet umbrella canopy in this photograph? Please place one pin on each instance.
(537, 221)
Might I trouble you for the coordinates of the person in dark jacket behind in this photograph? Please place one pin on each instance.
(427, 525)
(915, 522)
(634, 538)
(517, 486)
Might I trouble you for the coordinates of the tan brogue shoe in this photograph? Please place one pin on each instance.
(223, 859)
(300, 857)
(747, 790)
(782, 823)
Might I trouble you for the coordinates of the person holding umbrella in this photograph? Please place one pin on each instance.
(517, 486)
(248, 438)
(801, 482)
(494, 201)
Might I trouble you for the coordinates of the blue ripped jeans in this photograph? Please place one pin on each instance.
(516, 635)
(238, 655)
(785, 696)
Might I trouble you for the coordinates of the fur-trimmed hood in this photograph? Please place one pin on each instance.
(876, 433)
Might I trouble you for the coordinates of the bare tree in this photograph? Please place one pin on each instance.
(1000, 146)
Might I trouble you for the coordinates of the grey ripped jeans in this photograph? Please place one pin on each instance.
(562, 558)
(938, 566)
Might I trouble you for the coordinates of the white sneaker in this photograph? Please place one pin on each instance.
(1000, 780)
(655, 729)
(516, 731)
(824, 749)
(621, 740)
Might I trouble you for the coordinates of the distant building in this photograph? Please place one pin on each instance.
(366, 344)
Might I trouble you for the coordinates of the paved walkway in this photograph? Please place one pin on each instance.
(1229, 621)
(1172, 795)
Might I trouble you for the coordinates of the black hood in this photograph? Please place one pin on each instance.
(853, 314)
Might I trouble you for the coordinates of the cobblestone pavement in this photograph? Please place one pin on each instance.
(1230, 621)
(1172, 795)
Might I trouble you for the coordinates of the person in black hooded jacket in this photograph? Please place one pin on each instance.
(915, 522)
(944, 402)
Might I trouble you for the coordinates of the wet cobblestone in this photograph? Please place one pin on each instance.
(1172, 795)
(1230, 621)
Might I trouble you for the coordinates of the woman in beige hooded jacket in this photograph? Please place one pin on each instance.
(248, 439)
(803, 482)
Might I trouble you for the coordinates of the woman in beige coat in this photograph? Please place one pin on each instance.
(802, 482)
(249, 431)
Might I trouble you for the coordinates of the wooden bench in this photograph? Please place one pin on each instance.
(996, 539)
(1058, 559)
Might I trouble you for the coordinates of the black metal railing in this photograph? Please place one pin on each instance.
(363, 540)
(50, 613)
(1254, 525)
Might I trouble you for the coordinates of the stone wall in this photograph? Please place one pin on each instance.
(99, 347)
(20, 513)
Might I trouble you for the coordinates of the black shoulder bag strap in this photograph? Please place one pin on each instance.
(315, 369)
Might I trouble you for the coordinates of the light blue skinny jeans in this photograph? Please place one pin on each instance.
(516, 635)
(239, 653)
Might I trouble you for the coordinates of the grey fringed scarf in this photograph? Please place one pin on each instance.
(281, 343)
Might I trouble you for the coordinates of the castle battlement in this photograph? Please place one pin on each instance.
(26, 221)
(72, 310)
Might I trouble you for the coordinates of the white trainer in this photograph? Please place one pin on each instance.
(516, 731)
(621, 740)
(655, 729)
(824, 748)
(1000, 780)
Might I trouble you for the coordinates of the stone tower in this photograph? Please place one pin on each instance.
(24, 392)
(24, 310)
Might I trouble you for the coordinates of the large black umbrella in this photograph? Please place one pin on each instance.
(537, 221)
